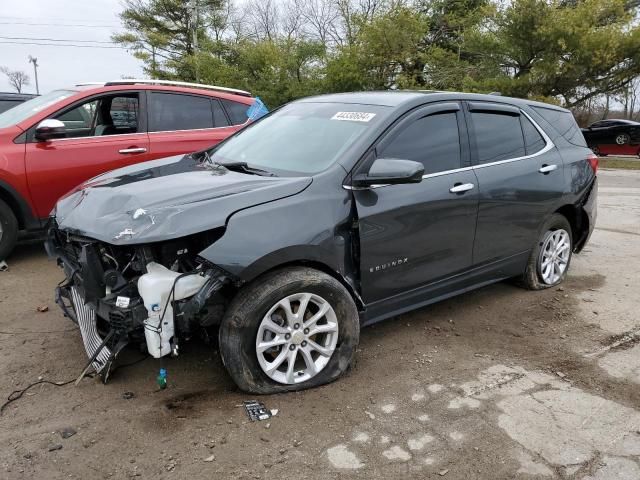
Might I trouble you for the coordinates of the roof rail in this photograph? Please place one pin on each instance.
(177, 84)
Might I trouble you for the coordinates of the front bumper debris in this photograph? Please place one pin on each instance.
(115, 293)
(93, 343)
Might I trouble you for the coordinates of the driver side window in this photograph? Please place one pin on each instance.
(79, 121)
(106, 115)
(433, 140)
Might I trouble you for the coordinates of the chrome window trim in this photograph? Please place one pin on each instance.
(92, 136)
(145, 133)
(200, 129)
(549, 145)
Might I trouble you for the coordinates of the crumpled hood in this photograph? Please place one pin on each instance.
(165, 199)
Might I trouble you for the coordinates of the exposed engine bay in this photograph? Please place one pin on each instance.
(156, 294)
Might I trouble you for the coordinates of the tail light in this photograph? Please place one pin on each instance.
(593, 161)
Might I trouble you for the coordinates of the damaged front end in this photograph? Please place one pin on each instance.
(156, 294)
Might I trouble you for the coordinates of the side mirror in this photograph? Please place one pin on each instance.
(391, 171)
(49, 129)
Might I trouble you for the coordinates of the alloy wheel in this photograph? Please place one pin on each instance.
(622, 139)
(296, 338)
(554, 256)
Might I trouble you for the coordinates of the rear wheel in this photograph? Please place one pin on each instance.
(291, 329)
(550, 258)
(623, 138)
(8, 230)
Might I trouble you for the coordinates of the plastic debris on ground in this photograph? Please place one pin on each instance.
(257, 411)
(3, 266)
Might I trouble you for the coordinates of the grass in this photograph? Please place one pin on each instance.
(619, 162)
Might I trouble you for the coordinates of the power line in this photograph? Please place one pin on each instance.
(58, 25)
(56, 40)
(59, 45)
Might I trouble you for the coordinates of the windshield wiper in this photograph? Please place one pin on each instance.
(245, 168)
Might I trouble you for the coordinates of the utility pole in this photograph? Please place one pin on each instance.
(194, 25)
(35, 71)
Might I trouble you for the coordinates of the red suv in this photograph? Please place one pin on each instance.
(52, 143)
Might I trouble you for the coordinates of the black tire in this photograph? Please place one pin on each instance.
(532, 278)
(9, 235)
(239, 328)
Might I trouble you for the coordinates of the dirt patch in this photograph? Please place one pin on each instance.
(426, 390)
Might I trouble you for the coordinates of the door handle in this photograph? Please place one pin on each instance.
(547, 168)
(124, 151)
(461, 187)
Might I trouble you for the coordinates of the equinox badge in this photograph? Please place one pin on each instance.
(384, 266)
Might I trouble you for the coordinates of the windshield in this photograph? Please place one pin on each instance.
(23, 111)
(301, 138)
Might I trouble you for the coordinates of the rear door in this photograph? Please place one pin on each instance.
(415, 234)
(520, 177)
(102, 133)
(183, 123)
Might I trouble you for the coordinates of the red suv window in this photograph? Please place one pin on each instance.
(173, 111)
(237, 111)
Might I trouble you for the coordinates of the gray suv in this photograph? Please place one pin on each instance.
(329, 214)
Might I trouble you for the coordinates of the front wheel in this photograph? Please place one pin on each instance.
(8, 230)
(291, 329)
(550, 258)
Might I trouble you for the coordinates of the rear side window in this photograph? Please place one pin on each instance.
(237, 111)
(434, 141)
(498, 136)
(564, 123)
(533, 140)
(170, 111)
(219, 118)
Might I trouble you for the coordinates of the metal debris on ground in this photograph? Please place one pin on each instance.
(257, 411)
(67, 432)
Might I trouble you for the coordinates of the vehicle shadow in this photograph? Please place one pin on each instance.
(28, 248)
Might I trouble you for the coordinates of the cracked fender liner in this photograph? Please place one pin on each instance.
(237, 336)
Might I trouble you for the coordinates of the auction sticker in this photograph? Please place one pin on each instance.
(354, 116)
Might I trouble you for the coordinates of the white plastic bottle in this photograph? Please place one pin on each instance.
(155, 289)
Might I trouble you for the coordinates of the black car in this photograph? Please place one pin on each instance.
(10, 100)
(612, 132)
(329, 214)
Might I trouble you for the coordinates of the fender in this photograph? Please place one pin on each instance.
(314, 228)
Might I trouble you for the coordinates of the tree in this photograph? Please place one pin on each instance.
(385, 53)
(574, 52)
(557, 49)
(16, 78)
(164, 33)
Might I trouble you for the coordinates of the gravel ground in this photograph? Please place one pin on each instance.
(500, 383)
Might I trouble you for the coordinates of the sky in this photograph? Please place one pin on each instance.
(80, 22)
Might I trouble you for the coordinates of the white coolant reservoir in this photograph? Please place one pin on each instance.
(155, 289)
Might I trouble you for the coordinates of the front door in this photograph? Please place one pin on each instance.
(416, 234)
(102, 134)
